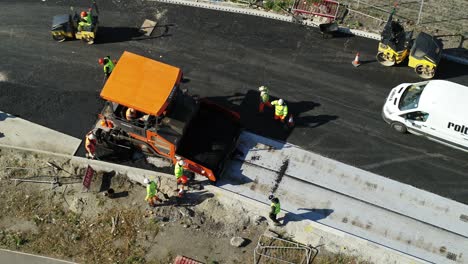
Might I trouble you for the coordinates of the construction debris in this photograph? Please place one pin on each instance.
(238, 241)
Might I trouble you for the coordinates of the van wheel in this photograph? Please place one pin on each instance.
(399, 127)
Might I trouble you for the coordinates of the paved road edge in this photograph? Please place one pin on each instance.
(228, 7)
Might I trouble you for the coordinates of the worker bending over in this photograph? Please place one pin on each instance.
(151, 192)
(90, 145)
(275, 209)
(86, 21)
(181, 178)
(281, 109)
(108, 65)
(264, 98)
(130, 114)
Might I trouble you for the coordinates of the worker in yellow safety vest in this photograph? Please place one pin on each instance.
(151, 192)
(275, 209)
(108, 65)
(264, 98)
(281, 109)
(86, 21)
(180, 176)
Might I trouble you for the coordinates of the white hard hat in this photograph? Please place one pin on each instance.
(92, 136)
(181, 162)
(262, 88)
(280, 102)
(146, 181)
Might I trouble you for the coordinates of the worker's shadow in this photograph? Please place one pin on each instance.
(119, 195)
(106, 180)
(121, 34)
(189, 199)
(314, 121)
(247, 105)
(4, 116)
(310, 214)
(264, 123)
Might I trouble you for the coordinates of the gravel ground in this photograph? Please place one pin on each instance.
(68, 223)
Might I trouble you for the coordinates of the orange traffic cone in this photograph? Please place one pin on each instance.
(356, 60)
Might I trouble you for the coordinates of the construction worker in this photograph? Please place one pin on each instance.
(181, 178)
(130, 114)
(108, 65)
(264, 98)
(281, 109)
(151, 192)
(85, 20)
(275, 209)
(90, 145)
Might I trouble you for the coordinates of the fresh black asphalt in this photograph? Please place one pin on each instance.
(226, 57)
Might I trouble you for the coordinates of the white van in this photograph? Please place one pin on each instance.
(435, 109)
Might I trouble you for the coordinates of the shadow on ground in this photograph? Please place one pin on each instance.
(310, 214)
(121, 34)
(314, 121)
(189, 199)
(4, 116)
(448, 69)
(106, 181)
(233, 174)
(263, 123)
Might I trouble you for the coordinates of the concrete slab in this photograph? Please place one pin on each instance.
(348, 199)
(17, 132)
(317, 235)
(148, 27)
(351, 181)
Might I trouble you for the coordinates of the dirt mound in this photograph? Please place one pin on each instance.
(88, 227)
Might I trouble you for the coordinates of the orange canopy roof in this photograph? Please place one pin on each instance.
(141, 83)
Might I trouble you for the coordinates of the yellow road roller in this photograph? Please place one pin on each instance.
(395, 43)
(425, 55)
(396, 46)
(68, 26)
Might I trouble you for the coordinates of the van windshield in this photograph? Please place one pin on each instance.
(410, 97)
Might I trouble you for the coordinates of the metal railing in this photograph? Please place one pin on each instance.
(321, 8)
(276, 250)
